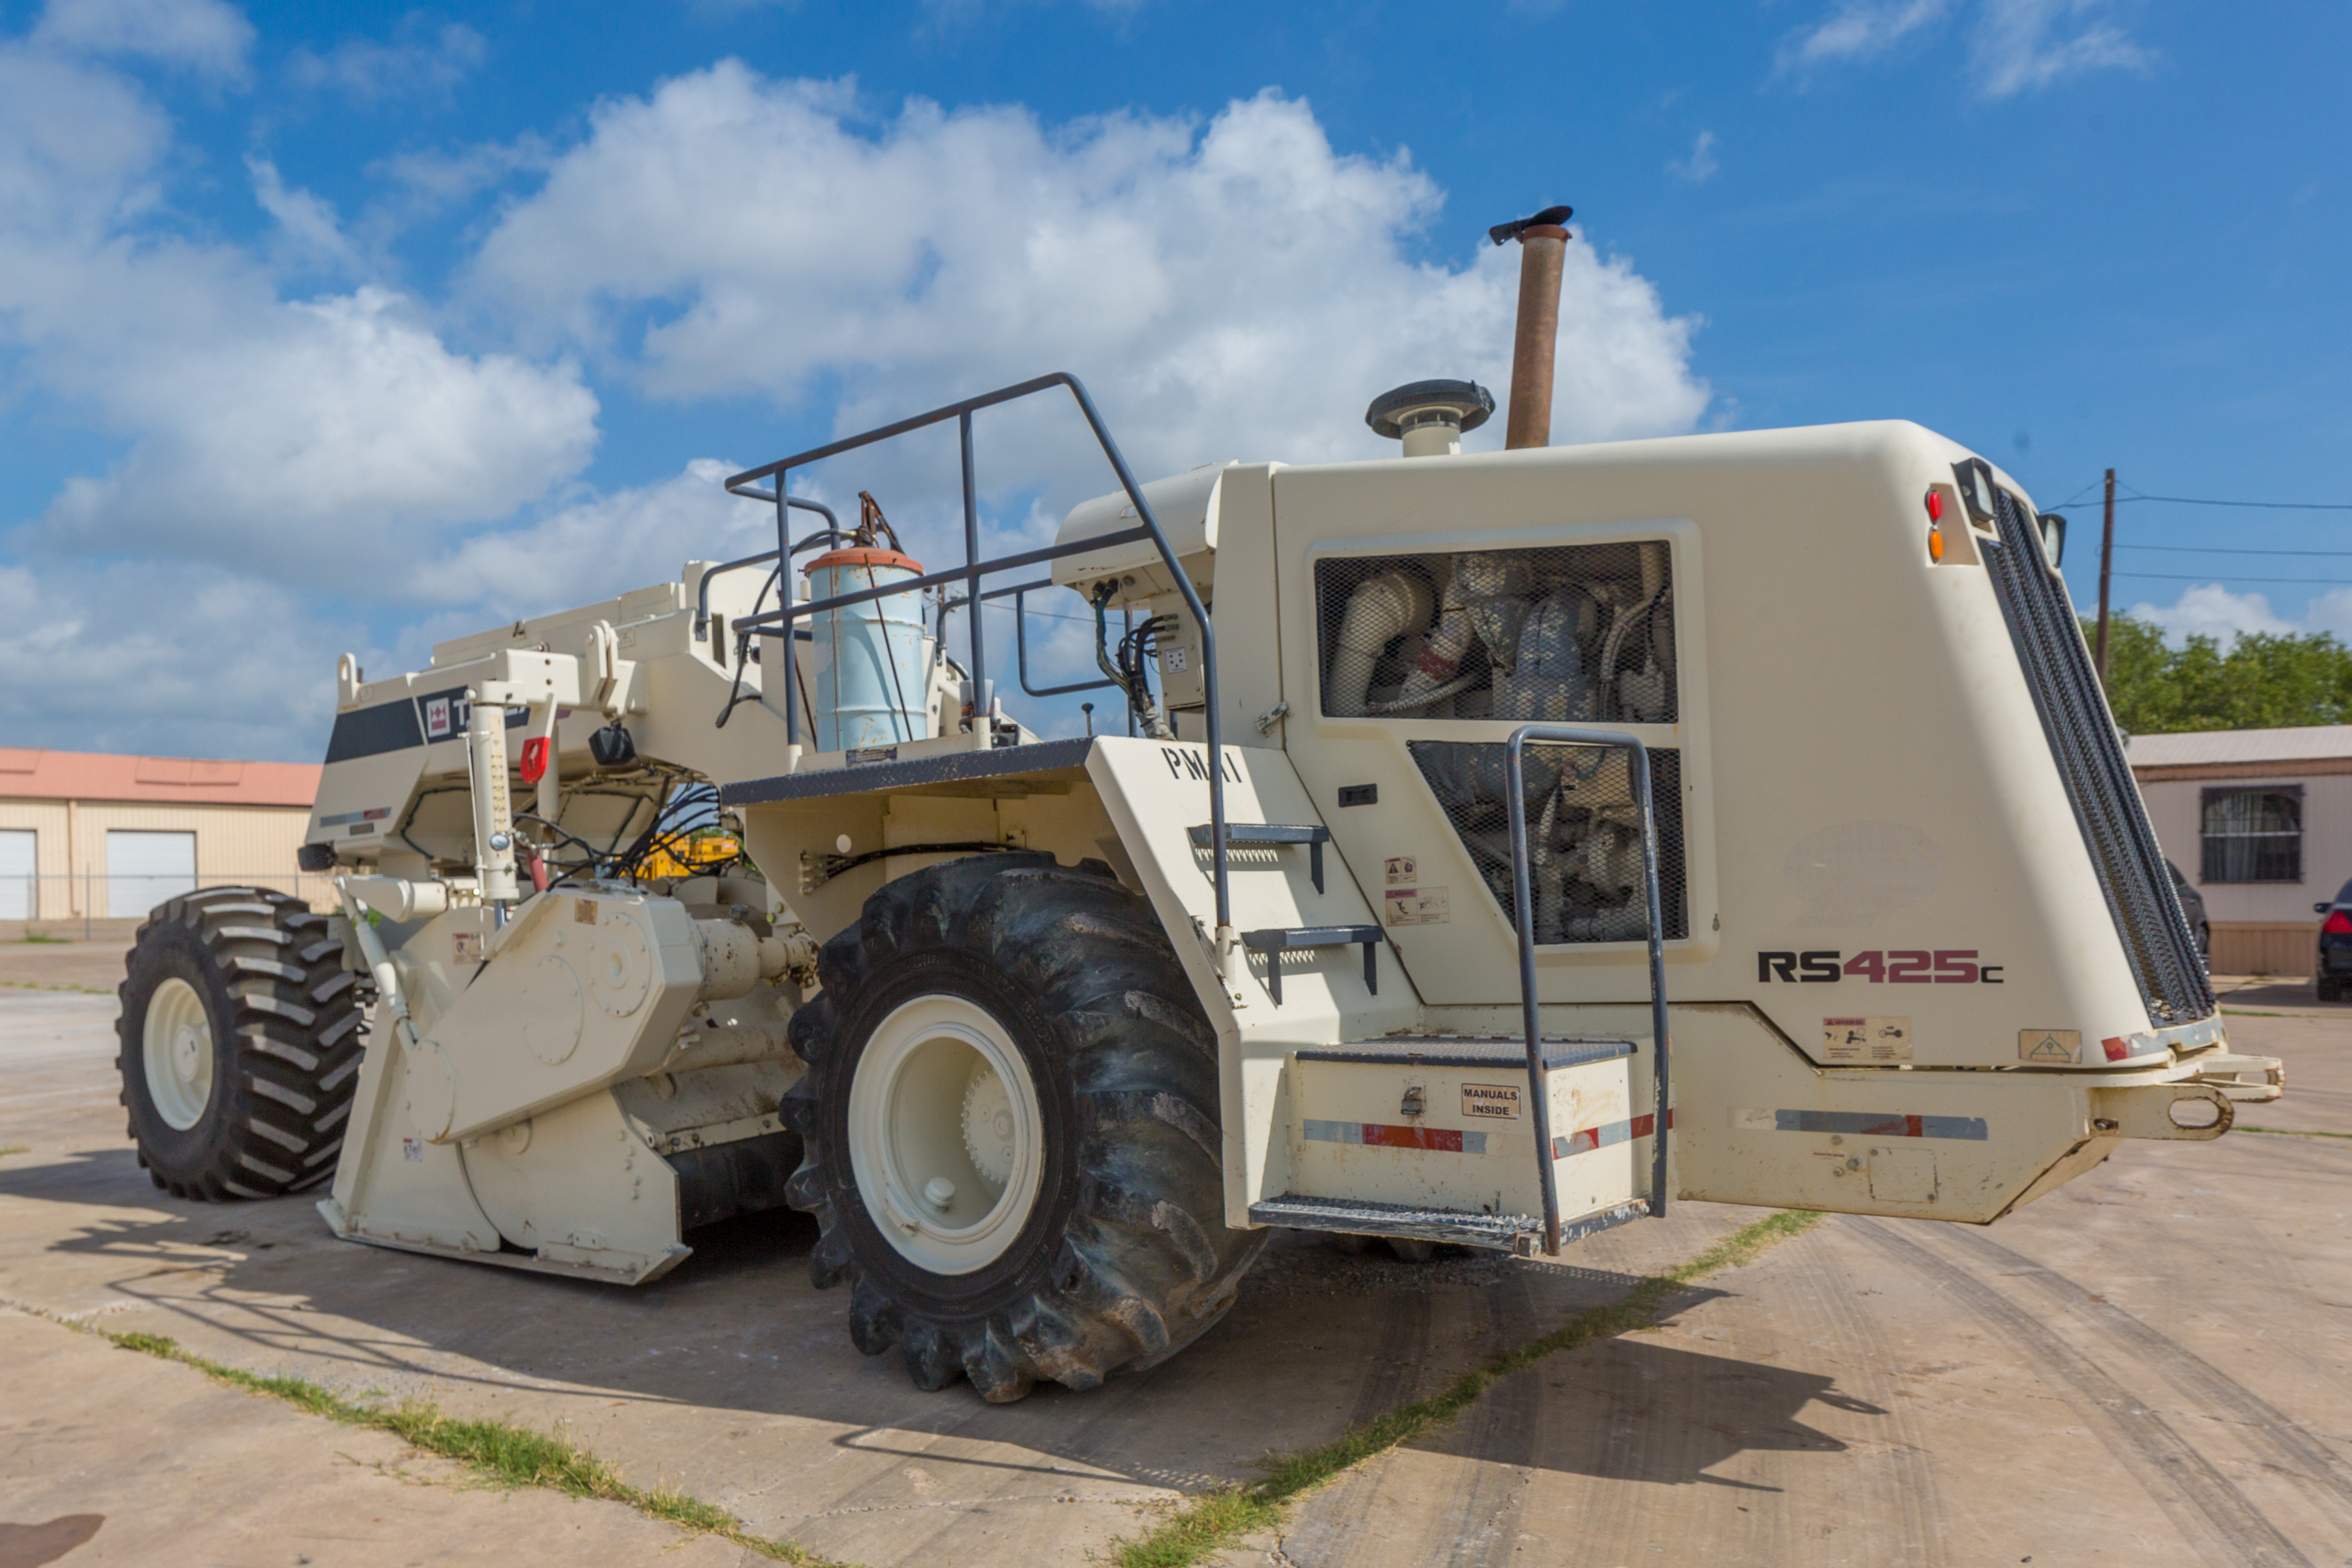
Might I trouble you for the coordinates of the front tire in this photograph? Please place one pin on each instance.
(1009, 1127)
(241, 1043)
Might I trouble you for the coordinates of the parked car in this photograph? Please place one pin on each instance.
(2192, 904)
(2334, 968)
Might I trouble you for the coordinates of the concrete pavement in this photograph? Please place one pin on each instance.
(2149, 1366)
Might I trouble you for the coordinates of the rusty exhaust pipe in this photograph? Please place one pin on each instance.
(1543, 246)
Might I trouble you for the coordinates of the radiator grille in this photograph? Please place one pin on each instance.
(2099, 783)
(1583, 834)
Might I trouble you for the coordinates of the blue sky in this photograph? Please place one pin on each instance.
(350, 327)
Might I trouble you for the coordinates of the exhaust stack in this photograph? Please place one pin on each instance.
(1543, 245)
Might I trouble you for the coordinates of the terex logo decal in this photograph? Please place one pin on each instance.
(1911, 966)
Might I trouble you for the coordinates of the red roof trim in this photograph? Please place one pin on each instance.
(33, 774)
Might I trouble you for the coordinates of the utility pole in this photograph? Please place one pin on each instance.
(2106, 562)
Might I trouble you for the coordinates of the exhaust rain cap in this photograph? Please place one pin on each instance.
(1430, 416)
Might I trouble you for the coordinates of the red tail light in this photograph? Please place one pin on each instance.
(2338, 923)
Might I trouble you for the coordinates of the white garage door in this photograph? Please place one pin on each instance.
(142, 869)
(15, 873)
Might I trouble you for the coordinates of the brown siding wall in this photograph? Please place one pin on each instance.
(248, 844)
(2264, 947)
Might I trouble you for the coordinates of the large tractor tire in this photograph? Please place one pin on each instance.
(1009, 1128)
(241, 1045)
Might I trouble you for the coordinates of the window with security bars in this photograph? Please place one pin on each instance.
(1584, 835)
(1558, 634)
(2253, 834)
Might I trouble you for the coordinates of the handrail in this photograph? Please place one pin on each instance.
(702, 596)
(1523, 906)
(975, 569)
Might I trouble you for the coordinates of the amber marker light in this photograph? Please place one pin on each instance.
(1935, 542)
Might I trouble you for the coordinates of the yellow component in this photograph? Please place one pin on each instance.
(704, 851)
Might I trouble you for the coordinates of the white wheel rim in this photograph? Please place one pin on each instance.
(942, 1106)
(177, 1046)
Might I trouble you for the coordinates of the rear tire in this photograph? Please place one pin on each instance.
(1086, 1233)
(241, 1045)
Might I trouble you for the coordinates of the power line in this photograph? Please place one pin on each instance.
(2197, 500)
(2216, 579)
(2227, 550)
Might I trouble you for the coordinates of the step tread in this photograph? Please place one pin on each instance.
(1517, 1233)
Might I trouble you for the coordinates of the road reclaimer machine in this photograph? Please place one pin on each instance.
(1503, 846)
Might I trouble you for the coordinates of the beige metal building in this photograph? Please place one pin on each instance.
(86, 835)
(2260, 821)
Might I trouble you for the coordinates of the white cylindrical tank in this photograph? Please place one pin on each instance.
(872, 682)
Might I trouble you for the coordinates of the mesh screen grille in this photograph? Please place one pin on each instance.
(2099, 782)
(1560, 634)
(1584, 834)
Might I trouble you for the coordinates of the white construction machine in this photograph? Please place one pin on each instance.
(1474, 790)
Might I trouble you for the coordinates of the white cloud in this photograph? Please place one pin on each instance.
(164, 658)
(204, 35)
(2014, 45)
(416, 59)
(597, 547)
(283, 433)
(308, 223)
(272, 448)
(1702, 164)
(2023, 43)
(1237, 289)
(2211, 610)
(1860, 29)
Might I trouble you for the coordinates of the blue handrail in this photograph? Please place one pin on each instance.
(975, 569)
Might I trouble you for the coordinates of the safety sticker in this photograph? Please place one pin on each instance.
(1874, 1039)
(1601, 1137)
(411, 1150)
(1383, 1135)
(866, 756)
(2050, 1048)
(1499, 1102)
(1404, 871)
(1860, 1123)
(1417, 907)
(464, 947)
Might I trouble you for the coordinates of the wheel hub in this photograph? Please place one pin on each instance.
(176, 1049)
(945, 1133)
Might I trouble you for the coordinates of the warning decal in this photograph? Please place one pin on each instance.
(1403, 872)
(1417, 907)
(1873, 1039)
(2050, 1048)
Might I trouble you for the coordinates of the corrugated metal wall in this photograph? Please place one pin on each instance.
(251, 843)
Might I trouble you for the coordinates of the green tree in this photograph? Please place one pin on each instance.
(2263, 683)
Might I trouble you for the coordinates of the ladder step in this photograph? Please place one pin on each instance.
(1314, 835)
(1275, 941)
(1513, 1233)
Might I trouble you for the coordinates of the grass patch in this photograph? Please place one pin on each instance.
(2243, 1127)
(8, 1149)
(498, 1452)
(1207, 1524)
(42, 936)
(36, 986)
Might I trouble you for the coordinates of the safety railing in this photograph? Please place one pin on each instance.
(1523, 906)
(702, 594)
(975, 569)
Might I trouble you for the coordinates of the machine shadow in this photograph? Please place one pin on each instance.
(1320, 1339)
(1634, 1409)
